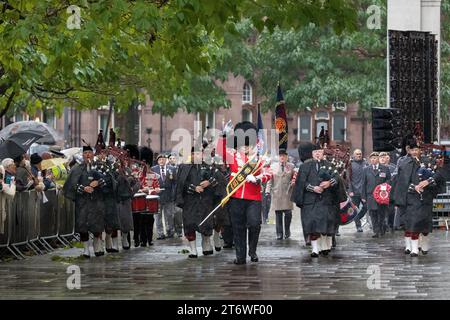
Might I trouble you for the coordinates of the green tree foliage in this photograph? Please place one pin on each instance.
(317, 66)
(157, 47)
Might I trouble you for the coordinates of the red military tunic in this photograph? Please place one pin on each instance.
(236, 160)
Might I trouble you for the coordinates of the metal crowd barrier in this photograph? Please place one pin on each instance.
(26, 221)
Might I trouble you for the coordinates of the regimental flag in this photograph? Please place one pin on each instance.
(281, 126)
(261, 142)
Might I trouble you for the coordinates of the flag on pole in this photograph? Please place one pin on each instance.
(261, 142)
(281, 126)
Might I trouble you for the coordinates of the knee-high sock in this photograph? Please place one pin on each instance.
(329, 242)
(415, 246)
(206, 243)
(193, 247)
(98, 244)
(125, 243)
(217, 240)
(425, 243)
(86, 250)
(315, 246)
(408, 243)
(108, 241)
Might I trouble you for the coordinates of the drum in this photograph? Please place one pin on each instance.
(348, 211)
(152, 204)
(138, 203)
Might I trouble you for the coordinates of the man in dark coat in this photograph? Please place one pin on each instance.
(375, 174)
(315, 193)
(167, 182)
(85, 186)
(414, 193)
(195, 194)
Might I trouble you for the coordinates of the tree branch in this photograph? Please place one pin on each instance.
(8, 104)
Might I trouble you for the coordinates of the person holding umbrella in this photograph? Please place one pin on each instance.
(38, 173)
(24, 179)
(9, 184)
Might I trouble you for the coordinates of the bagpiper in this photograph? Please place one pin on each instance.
(415, 189)
(315, 193)
(195, 194)
(85, 186)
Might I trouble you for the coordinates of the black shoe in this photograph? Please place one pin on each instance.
(254, 258)
(86, 256)
(208, 253)
(376, 235)
(287, 236)
(126, 248)
(333, 243)
(193, 256)
(337, 234)
(407, 251)
(359, 229)
(324, 252)
(150, 243)
(308, 244)
(136, 244)
(143, 244)
(414, 254)
(218, 248)
(314, 255)
(161, 238)
(279, 237)
(424, 252)
(227, 246)
(99, 254)
(236, 261)
(112, 250)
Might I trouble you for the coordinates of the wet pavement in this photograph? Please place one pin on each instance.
(359, 268)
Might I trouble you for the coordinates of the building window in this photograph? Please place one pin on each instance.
(322, 115)
(304, 128)
(20, 116)
(49, 118)
(247, 93)
(247, 115)
(339, 127)
(210, 120)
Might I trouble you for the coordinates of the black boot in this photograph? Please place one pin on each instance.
(253, 237)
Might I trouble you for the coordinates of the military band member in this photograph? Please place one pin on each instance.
(84, 186)
(414, 193)
(245, 203)
(127, 186)
(110, 200)
(315, 193)
(195, 194)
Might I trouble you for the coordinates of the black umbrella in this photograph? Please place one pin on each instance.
(49, 135)
(18, 144)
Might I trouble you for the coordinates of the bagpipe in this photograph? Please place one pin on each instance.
(339, 158)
